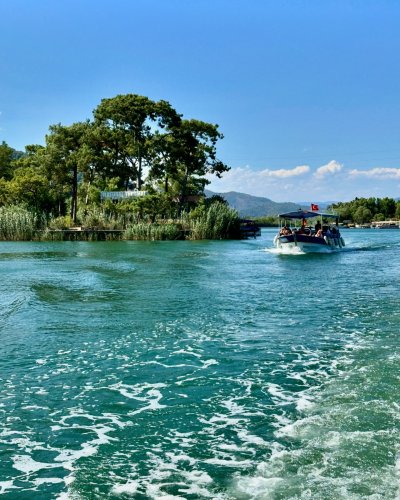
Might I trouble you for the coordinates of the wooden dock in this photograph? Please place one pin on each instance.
(85, 234)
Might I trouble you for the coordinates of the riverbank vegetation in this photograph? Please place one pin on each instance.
(132, 145)
(366, 210)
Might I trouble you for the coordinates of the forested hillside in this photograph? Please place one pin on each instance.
(255, 206)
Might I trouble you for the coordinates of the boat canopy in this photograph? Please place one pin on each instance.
(305, 214)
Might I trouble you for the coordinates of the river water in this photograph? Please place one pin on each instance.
(191, 370)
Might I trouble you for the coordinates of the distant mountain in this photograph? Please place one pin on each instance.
(255, 206)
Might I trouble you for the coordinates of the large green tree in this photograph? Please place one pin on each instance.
(184, 155)
(127, 124)
(31, 188)
(130, 137)
(197, 157)
(69, 154)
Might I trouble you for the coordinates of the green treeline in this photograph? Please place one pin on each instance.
(365, 210)
(358, 211)
(131, 143)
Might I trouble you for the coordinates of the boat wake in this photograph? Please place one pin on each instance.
(285, 251)
(331, 429)
(298, 251)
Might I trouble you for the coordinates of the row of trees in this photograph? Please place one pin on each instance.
(365, 210)
(131, 142)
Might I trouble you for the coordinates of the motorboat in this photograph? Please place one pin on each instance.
(308, 231)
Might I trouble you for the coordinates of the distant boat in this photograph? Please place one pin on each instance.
(249, 228)
(386, 224)
(322, 238)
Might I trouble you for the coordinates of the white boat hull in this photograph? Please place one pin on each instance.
(307, 244)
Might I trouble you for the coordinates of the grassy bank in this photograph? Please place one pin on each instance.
(217, 221)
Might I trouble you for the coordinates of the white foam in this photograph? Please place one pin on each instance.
(188, 351)
(34, 407)
(41, 392)
(134, 391)
(154, 404)
(277, 392)
(154, 492)
(257, 487)
(285, 251)
(26, 464)
(229, 463)
(209, 362)
(196, 476)
(6, 486)
(50, 480)
(129, 488)
(245, 436)
(176, 458)
(305, 402)
(229, 447)
(71, 456)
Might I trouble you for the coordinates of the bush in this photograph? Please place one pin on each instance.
(62, 222)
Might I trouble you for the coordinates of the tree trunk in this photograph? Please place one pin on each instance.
(74, 201)
(87, 193)
(183, 191)
(139, 176)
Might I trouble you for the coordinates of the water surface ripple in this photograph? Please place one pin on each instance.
(191, 370)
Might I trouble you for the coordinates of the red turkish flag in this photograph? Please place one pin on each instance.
(314, 208)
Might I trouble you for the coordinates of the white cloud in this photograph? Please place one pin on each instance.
(331, 168)
(284, 173)
(275, 184)
(328, 182)
(382, 173)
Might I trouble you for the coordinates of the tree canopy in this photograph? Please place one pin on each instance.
(132, 142)
(365, 210)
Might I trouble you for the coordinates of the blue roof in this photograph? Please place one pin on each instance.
(305, 214)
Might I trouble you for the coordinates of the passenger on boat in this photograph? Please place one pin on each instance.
(304, 230)
(319, 233)
(285, 231)
(317, 227)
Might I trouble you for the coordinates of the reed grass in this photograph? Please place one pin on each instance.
(219, 221)
(19, 224)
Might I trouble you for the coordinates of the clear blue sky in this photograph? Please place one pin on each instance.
(306, 92)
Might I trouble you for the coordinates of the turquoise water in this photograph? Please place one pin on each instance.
(194, 370)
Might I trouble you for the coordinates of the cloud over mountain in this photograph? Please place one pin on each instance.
(333, 167)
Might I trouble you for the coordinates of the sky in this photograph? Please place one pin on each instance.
(305, 92)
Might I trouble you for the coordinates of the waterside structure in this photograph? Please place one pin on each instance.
(386, 224)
